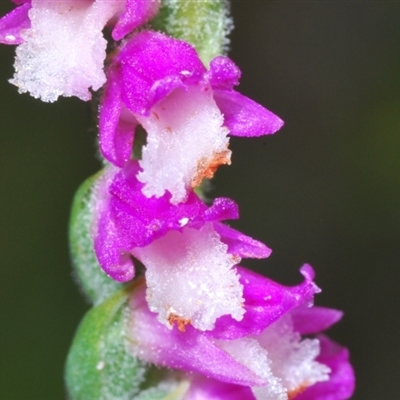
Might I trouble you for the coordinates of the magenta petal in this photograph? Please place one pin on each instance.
(117, 129)
(245, 117)
(162, 88)
(202, 388)
(265, 302)
(315, 319)
(152, 65)
(223, 73)
(241, 245)
(142, 224)
(190, 351)
(341, 383)
(143, 219)
(193, 352)
(136, 13)
(109, 246)
(13, 23)
(222, 209)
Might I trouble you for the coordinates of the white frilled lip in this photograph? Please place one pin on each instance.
(190, 278)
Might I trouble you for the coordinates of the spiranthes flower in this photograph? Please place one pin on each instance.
(61, 48)
(189, 254)
(263, 356)
(187, 111)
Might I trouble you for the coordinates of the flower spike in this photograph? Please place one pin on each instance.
(174, 315)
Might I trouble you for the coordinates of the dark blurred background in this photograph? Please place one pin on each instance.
(324, 190)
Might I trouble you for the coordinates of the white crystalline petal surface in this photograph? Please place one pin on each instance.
(64, 50)
(250, 353)
(293, 359)
(186, 142)
(189, 276)
(281, 358)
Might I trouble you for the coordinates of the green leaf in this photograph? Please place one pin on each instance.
(95, 284)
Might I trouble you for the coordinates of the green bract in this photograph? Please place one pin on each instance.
(94, 282)
(100, 366)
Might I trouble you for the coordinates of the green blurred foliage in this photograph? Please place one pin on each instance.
(325, 190)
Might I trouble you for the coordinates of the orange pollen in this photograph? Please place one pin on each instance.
(181, 322)
(207, 168)
(236, 259)
(295, 392)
